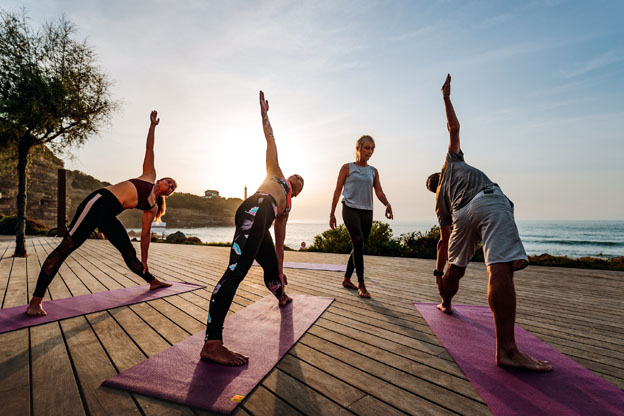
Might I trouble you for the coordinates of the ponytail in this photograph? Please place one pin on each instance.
(162, 207)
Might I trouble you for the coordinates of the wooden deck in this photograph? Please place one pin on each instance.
(367, 357)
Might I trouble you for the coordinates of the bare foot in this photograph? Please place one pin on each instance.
(285, 300)
(155, 284)
(363, 292)
(347, 283)
(35, 308)
(216, 352)
(519, 360)
(445, 305)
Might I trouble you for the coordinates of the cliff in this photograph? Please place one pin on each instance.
(183, 210)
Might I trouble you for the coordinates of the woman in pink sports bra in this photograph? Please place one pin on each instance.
(100, 209)
(252, 240)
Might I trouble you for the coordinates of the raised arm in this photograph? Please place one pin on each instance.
(272, 165)
(149, 172)
(382, 196)
(342, 177)
(451, 119)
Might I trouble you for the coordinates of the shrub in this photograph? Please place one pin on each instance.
(8, 226)
(380, 241)
(417, 244)
(615, 263)
(332, 241)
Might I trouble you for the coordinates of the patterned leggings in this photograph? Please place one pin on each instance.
(252, 240)
(97, 210)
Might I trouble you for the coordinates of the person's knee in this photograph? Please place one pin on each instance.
(456, 271)
(130, 253)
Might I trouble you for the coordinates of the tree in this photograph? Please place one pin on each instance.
(52, 93)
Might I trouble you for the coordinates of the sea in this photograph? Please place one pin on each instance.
(572, 238)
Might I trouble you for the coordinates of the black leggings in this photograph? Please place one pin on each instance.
(100, 210)
(358, 223)
(252, 240)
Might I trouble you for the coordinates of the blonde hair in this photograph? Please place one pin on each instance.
(361, 142)
(160, 201)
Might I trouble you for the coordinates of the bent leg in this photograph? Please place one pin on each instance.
(267, 258)
(448, 286)
(502, 301)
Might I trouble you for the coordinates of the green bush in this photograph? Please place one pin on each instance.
(8, 225)
(615, 263)
(332, 241)
(417, 244)
(380, 241)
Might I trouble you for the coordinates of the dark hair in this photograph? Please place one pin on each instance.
(162, 207)
(433, 181)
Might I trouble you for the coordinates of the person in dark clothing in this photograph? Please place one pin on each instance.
(252, 240)
(100, 209)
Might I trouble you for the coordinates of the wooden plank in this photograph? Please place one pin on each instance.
(92, 367)
(6, 264)
(124, 353)
(300, 396)
(340, 392)
(372, 385)
(14, 368)
(452, 400)
(54, 388)
(262, 402)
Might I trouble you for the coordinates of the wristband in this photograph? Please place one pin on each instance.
(437, 273)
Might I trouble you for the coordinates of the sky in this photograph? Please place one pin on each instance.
(538, 88)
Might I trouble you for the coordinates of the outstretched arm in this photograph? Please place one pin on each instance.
(342, 177)
(149, 172)
(146, 236)
(272, 165)
(382, 196)
(452, 123)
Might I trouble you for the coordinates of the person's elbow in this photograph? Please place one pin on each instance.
(453, 128)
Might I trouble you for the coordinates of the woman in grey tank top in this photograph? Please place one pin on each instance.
(356, 182)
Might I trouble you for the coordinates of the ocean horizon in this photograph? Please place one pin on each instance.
(572, 238)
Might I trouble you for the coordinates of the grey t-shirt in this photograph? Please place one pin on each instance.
(459, 183)
(358, 187)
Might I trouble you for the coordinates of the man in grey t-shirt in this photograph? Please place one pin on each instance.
(472, 209)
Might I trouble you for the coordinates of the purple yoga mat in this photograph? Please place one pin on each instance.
(16, 318)
(570, 389)
(313, 266)
(262, 331)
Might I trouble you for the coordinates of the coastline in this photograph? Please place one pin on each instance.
(571, 238)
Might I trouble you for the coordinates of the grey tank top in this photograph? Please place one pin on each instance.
(358, 187)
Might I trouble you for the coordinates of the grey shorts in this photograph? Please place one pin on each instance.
(488, 218)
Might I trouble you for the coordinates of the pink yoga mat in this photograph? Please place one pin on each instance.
(16, 318)
(570, 389)
(313, 266)
(262, 331)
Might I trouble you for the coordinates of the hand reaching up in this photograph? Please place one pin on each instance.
(154, 118)
(264, 104)
(446, 88)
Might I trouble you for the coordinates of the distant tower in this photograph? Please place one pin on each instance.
(245, 191)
